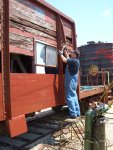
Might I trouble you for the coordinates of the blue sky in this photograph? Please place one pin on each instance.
(93, 18)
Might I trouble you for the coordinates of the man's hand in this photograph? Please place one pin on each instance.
(60, 52)
(64, 46)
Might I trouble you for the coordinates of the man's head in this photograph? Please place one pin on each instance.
(77, 53)
(74, 54)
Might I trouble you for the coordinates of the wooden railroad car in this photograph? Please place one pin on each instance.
(31, 77)
(31, 72)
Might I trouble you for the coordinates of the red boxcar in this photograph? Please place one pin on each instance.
(31, 75)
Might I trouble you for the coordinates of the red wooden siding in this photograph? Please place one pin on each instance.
(28, 20)
(30, 92)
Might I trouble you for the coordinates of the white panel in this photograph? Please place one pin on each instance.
(40, 54)
(40, 70)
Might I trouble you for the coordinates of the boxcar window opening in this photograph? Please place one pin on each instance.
(20, 64)
(69, 39)
(46, 61)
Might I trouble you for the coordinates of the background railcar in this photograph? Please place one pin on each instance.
(98, 54)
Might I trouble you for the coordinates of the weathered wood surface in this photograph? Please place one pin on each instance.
(21, 41)
(32, 12)
(28, 21)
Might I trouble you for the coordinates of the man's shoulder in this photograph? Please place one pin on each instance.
(73, 60)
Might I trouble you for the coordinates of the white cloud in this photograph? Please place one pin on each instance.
(107, 12)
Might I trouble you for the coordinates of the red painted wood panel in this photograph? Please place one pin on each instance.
(31, 92)
(1, 101)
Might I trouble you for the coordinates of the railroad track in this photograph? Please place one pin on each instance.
(39, 130)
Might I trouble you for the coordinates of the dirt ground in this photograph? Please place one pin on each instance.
(66, 143)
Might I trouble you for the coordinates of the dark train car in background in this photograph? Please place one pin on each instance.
(100, 55)
(31, 73)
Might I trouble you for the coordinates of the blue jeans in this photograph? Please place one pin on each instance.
(71, 81)
(72, 101)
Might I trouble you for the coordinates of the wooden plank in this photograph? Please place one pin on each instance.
(21, 41)
(17, 50)
(30, 31)
(32, 92)
(27, 26)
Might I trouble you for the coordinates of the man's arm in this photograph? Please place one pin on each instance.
(63, 50)
(64, 59)
(66, 53)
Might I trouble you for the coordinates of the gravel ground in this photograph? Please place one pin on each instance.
(53, 143)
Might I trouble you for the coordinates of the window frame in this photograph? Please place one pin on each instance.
(34, 54)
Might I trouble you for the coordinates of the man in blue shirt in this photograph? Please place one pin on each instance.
(71, 80)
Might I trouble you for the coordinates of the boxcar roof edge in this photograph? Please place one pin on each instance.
(52, 8)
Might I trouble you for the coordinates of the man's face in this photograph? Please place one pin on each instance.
(72, 54)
